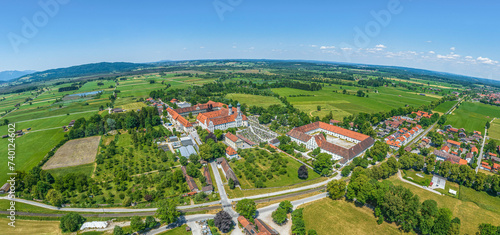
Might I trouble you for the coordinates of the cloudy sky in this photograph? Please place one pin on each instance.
(451, 36)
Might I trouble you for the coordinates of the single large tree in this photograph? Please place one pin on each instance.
(246, 208)
(54, 197)
(223, 221)
(71, 222)
(323, 163)
(279, 216)
(303, 172)
(167, 211)
(336, 189)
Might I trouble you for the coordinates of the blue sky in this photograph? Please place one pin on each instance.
(452, 36)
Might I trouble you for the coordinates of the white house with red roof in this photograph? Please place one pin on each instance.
(222, 119)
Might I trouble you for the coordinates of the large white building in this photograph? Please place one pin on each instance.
(311, 136)
(222, 119)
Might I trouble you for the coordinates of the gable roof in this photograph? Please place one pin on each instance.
(230, 151)
(232, 137)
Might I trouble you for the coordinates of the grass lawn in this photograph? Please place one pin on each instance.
(444, 107)
(494, 131)
(30, 227)
(326, 216)
(411, 175)
(257, 100)
(177, 231)
(470, 212)
(472, 116)
(86, 169)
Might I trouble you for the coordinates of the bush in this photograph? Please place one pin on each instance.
(303, 172)
(136, 224)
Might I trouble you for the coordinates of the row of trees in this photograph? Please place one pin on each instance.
(98, 125)
(395, 204)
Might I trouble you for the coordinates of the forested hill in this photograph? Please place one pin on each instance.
(82, 70)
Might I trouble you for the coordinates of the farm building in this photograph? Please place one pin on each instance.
(189, 180)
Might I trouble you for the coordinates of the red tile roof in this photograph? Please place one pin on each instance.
(230, 151)
(445, 148)
(232, 137)
(456, 143)
(335, 129)
(474, 150)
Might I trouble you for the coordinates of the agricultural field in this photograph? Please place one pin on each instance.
(331, 98)
(472, 116)
(74, 153)
(30, 227)
(31, 148)
(327, 215)
(473, 208)
(445, 106)
(271, 170)
(257, 100)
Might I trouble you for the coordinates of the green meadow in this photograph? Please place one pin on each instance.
(331, 98)
(472, 116)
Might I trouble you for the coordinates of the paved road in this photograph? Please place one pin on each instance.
(432, 126)
(105, 210)
(482, 148)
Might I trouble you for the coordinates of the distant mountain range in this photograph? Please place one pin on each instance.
(121, 68)
(13, 74)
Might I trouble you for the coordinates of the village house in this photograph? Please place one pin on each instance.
(444, 156)
(189, 180)
(227, 170)
(231, 153)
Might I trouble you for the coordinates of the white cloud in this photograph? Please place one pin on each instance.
(485, 60)
(452, 48)
(346, 48)
(314, 45)
(432, 52)
(327, 47)
(450, 56)
(251, 48)
(428, 41)
(380, 46)
(234, 47)
(202, 47)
